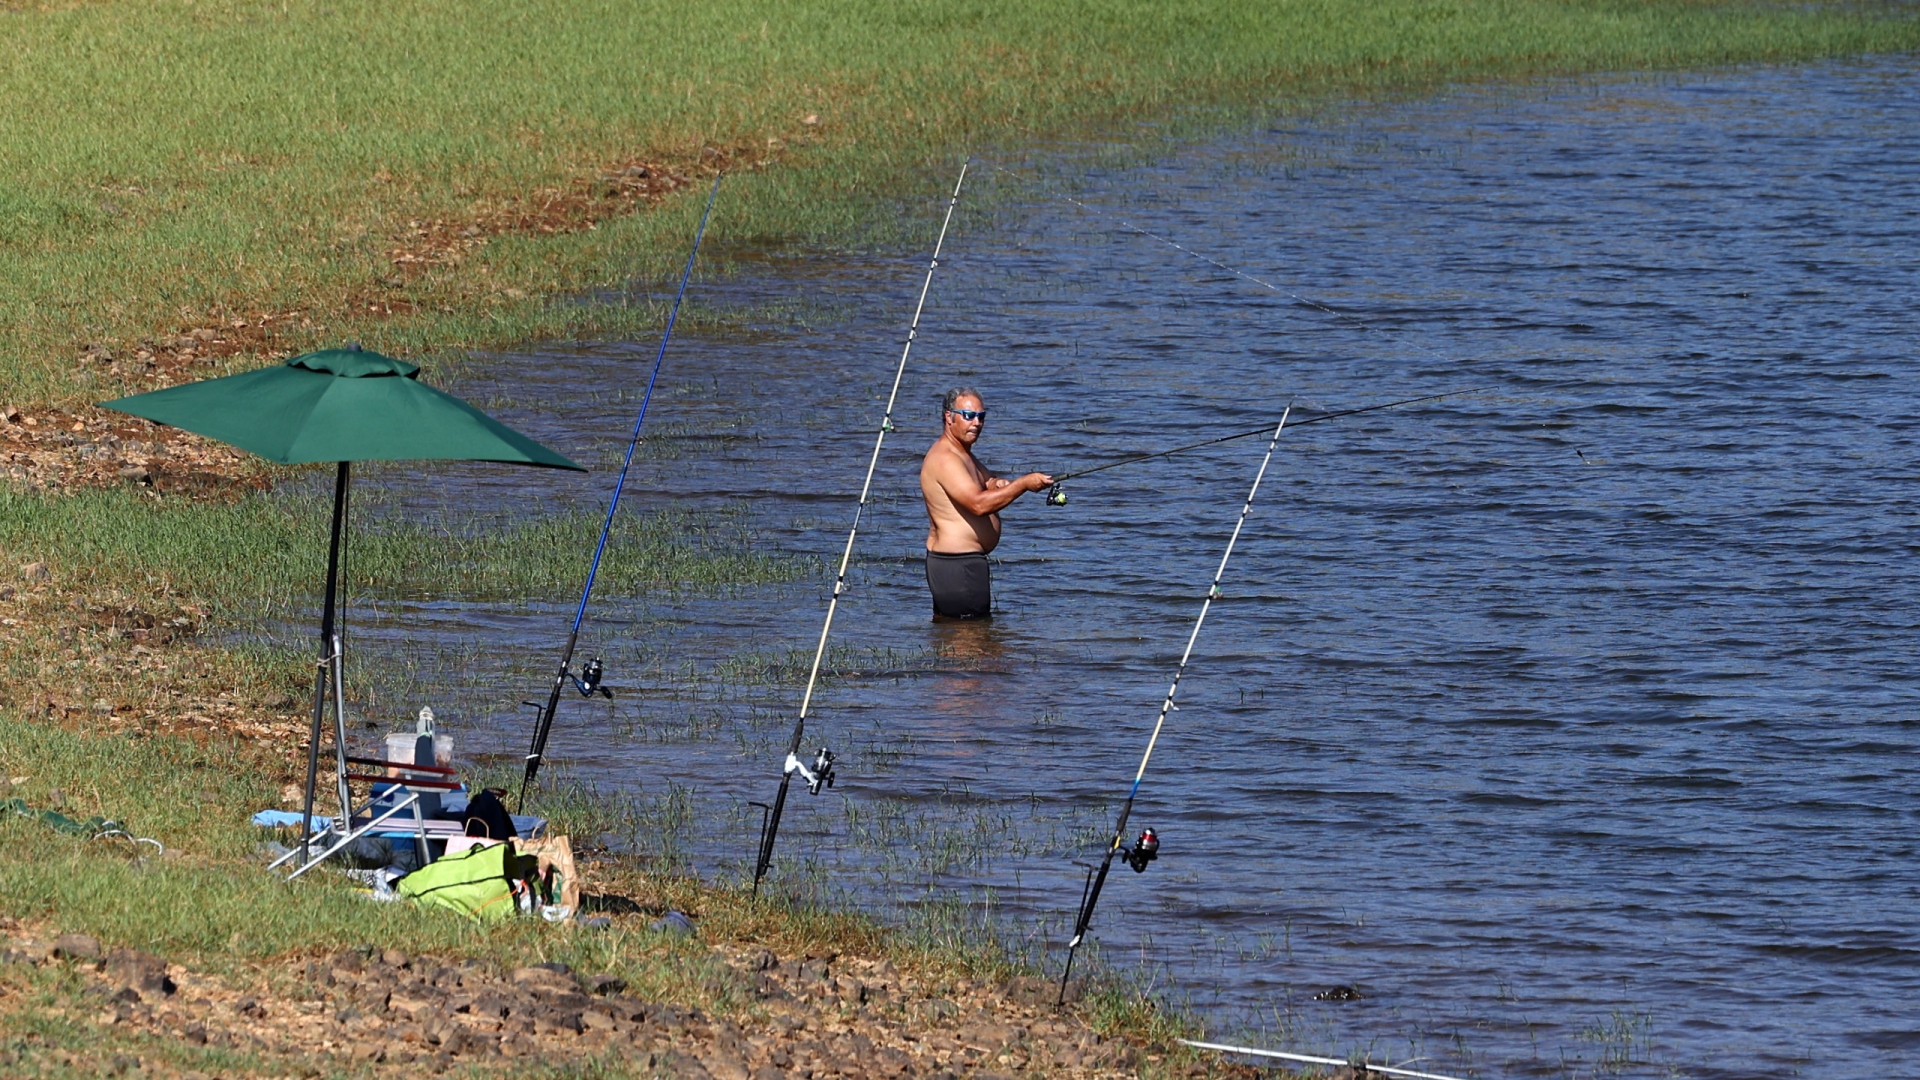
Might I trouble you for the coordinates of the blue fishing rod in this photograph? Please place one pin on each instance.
(587, 681)
(1147, 847)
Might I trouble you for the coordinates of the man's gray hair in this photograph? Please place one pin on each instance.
(956, 394)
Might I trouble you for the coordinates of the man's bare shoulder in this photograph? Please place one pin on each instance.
(944, 461)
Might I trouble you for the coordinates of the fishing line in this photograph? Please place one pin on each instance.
(587, 682)
(1312, 1060)
(1057, 497)
(820, 773)
(1316, 305)
(1147, 847)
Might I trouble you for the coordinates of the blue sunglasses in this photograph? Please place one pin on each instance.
(969, 414)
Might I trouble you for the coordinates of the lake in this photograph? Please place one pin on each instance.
(1569, 723)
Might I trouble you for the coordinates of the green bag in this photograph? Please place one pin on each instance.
(477, 882)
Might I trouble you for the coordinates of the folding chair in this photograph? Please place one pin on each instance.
(409, 785)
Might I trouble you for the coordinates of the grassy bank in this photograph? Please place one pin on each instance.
(244, 946)
(421, 175)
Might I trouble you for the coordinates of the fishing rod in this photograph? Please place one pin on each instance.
(820, 773)
(1058, 497)
(1359, 1068)
(1147, 847)
(588, 680)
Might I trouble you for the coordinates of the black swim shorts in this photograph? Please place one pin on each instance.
(962, 586)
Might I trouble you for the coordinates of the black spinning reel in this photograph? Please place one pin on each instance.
(588, 681)
(1144, 850)
(1056, 496)
(819, 776)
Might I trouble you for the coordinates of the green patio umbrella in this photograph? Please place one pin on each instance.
(339, 405)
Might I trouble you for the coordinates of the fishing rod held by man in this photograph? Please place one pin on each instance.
(1057, 496)
(964, 501)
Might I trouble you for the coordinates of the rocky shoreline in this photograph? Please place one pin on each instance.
(369, 1010)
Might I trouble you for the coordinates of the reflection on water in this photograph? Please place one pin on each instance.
(1570, 723)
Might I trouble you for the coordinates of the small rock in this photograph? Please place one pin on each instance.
(394, 958)
(280, 701)
(675, 923)
(1033, 991)
(144, 973)
(605, 984)
(1338, 993)
(722, 1065)
(77, 947)
(35, 571)
(540, 973)
(686, 1067)
(57, 799)
(763, 960)
(988, 1035)
(412, 1003)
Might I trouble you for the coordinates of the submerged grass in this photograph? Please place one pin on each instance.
(421, 174)
(264, 556)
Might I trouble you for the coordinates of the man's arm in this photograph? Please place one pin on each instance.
(977, 499)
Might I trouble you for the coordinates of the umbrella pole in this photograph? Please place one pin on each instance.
(329, 656)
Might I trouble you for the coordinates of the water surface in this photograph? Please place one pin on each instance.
(1570, 722)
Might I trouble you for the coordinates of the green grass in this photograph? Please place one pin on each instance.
(170, 163)
(208, 902)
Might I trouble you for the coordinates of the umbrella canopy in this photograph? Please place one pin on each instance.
(338, 405)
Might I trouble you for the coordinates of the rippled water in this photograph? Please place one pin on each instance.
(1569, 722)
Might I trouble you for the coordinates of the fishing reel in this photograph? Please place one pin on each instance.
(1144, 850)
(821, 775)
(1056, 496)
(588, 681)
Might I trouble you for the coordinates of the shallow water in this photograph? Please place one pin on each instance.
(1568, 722)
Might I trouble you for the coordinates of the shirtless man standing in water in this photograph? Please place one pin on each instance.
(964, 502)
